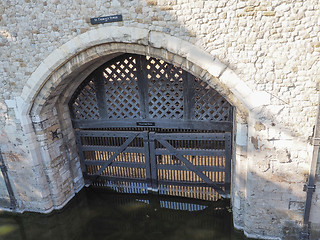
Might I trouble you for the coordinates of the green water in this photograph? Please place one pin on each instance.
(100, 214)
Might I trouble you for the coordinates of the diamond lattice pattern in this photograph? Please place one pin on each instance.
(85, 106)
(122, 94)
(209, 104)
(165, 90)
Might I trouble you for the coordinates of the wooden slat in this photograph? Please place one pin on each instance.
(184, 168)
(112, 149)
(189, 165)
(100, 133)
(113, 157)
(191, 136)
(115, 164)
(111, 178)
(202, 152)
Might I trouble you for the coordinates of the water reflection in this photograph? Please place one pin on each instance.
(101, 214)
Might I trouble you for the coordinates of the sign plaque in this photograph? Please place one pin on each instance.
(146, 124)
(106, 19)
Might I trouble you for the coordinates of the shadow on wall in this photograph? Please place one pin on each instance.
(278, 164)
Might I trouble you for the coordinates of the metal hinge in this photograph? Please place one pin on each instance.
(3, 167)
(307, 187)
(316, 141)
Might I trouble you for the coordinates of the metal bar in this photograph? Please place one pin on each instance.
(13, 200)
(113, 157)
(311, 184)
(310, 188)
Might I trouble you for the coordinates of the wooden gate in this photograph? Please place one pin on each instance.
(142, 123)
(192, 163)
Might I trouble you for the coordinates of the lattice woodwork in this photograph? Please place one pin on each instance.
(209, 104)
(122, 94)
(85, 106)
(165, 90)
(139, 87)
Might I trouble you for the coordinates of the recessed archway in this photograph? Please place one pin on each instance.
(49, 89)
(144, 121)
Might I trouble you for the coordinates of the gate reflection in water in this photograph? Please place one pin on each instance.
(101, 214)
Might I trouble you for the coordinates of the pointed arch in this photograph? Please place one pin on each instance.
(44, 109)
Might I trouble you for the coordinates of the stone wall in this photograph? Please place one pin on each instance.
(263, 56)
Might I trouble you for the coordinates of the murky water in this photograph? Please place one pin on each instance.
(100, 214)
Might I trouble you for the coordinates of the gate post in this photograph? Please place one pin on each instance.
(146, 146)
(228, 150)
(153, 163)
(87, 181)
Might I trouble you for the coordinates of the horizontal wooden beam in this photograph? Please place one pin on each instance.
(156, 123)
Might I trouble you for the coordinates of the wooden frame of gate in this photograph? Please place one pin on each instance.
(157, 158)
(141, 120)
(201, 166)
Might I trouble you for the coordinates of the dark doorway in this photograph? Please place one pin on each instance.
(144, 124)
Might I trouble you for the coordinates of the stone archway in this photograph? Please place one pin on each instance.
(45, 114)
